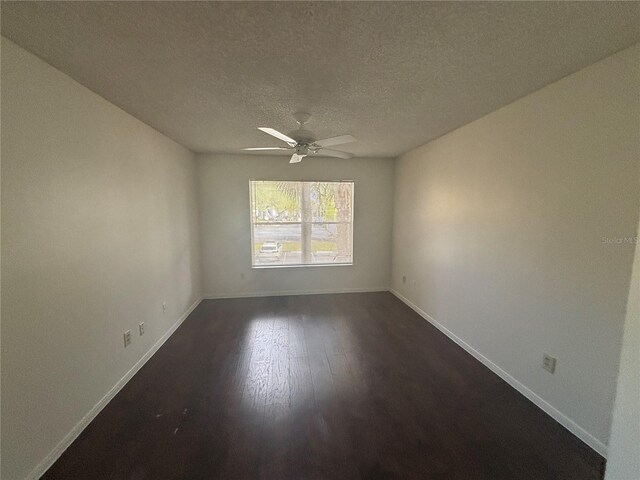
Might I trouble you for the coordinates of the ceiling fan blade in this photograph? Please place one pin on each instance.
(295, 158)
(260, 149)
(333, 153)
(327, 142)
(277, 134)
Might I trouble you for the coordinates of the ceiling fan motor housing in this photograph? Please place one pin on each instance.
(302, 136)
(302, 149)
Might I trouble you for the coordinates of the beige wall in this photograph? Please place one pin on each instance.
(624, 447)
(499, 229)
(99, 220)
(226, 234)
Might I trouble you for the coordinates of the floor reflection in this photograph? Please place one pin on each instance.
(273, 353)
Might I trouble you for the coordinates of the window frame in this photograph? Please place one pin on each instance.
(300, 223)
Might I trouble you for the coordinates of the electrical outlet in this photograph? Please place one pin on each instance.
(164, 307)
(549, 363)
(404, 279)
(127, 338)
(141, 327)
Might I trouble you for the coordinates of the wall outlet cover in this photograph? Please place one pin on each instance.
(127, 338)
(549, 363)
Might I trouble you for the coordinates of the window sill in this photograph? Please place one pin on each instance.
(302, 265)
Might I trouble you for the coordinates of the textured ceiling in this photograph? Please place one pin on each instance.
(394, 74)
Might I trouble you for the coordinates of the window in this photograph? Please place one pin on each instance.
(301, 223)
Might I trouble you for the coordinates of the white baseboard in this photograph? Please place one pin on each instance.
(217, 296)
(541, 403)
(50, 459)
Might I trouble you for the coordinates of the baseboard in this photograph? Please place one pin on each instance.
(216, 296)
(541, 403)
(50, 459)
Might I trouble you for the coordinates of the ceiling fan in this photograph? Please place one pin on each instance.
(302, 142)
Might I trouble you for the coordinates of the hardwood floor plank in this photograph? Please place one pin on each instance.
(353, 386)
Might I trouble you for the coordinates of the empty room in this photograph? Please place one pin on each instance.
(320, 240)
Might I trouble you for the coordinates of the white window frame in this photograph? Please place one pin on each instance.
(301, 222)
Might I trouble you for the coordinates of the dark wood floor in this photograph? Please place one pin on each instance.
(353, 386)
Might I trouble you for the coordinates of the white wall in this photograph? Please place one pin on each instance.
(226, 234)
(501, 224)
(624, 447)
(99, 220)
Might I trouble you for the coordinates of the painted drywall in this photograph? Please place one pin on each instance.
(624, 447)
(99, 217)
(511, 233)
(223, 186)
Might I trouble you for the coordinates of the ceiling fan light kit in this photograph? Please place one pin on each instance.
(303, 142)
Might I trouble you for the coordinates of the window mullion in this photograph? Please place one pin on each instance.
(307, 213)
